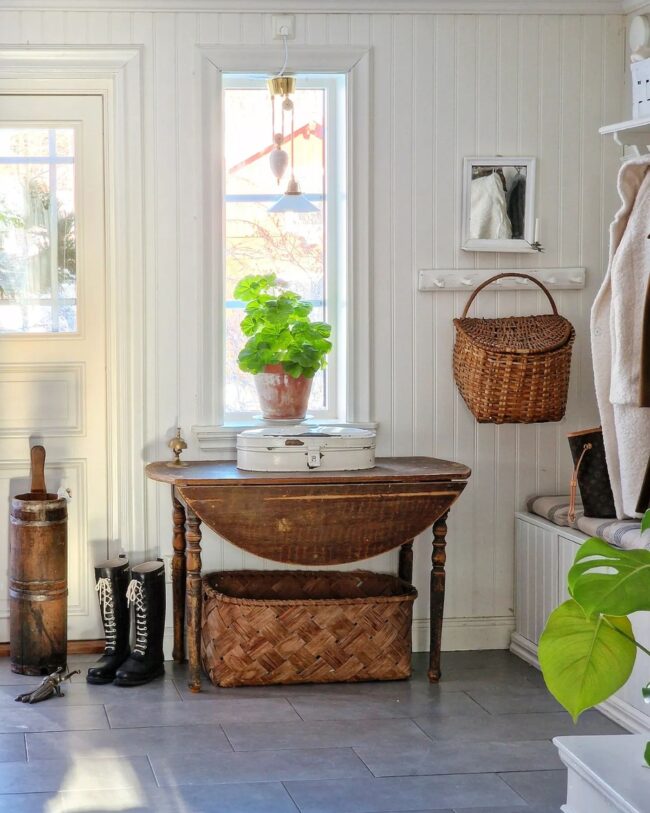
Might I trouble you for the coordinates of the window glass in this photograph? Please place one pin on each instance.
(38, 271)
(293, 245)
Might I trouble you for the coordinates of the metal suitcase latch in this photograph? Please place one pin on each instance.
(313, 455)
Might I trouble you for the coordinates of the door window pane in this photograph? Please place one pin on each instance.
(38, 273)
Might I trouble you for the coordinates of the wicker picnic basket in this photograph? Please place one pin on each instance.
(296, 626)
(515, 369)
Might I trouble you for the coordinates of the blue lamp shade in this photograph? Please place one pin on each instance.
(293, 201)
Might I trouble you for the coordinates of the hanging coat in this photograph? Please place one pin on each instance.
(488, 218)
(618, 334)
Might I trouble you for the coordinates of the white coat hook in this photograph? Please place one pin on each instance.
(441, 281)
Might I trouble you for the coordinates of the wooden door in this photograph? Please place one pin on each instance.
(53, 326)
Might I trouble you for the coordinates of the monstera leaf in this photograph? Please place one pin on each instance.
(624, 589)
(584, 659)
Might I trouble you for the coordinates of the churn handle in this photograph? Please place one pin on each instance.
(511, 274)
(38, 470)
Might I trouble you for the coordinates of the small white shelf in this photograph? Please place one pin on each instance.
(606, 773)
(466, 279)
(634, 133)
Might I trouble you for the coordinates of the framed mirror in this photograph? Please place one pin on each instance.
(499, 204)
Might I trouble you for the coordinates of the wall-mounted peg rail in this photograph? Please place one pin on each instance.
(464, 279)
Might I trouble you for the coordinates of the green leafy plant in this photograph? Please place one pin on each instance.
(588, 649)
(279, 330)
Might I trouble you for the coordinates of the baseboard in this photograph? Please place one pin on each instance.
(524, 649)
(91, 647)
(458, 634)
(625, 715)
(491, 632)
(619, 711)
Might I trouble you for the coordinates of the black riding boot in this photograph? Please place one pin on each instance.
(147, 592)
(112, 579)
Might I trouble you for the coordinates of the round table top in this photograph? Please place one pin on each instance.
(387, 470)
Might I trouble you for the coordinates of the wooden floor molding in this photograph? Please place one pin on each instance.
(74, 648)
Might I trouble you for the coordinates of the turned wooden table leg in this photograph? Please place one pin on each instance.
(437, 595)
(194, 600)
(179, 572)
(405, 571)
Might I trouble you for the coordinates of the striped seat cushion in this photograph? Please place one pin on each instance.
(622, 533)
(554, 509)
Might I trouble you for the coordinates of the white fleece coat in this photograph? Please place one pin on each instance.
(616, 338)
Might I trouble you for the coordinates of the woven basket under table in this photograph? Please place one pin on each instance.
(296, 626)
(514, 369)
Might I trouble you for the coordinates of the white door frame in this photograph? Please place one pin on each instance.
(114, 74)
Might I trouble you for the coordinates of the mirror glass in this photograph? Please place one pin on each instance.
(498, 204)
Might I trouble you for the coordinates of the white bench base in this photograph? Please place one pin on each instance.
(544, 552)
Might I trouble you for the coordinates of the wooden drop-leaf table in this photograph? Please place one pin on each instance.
(307, 518)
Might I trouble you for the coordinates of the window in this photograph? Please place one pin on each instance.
(37, 231)
(307, 251)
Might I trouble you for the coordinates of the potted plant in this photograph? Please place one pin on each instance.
(587, 650)
(285, 349)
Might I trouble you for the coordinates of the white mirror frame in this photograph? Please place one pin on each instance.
(519, 246)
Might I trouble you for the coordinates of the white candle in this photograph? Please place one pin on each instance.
(536, 239)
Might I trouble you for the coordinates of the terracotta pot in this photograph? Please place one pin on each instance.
(282, 397)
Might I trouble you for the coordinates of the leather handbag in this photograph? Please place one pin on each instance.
(590, 475)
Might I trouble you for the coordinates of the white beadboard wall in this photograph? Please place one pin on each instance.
(444, 86)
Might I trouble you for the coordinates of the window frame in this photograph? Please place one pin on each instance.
(213, 433)
(335, 232)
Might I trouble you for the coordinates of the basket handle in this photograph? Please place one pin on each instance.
(511, 274)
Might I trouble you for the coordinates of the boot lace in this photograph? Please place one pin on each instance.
(135, 594)
(105, 591)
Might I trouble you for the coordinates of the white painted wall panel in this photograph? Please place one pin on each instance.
(444, 86)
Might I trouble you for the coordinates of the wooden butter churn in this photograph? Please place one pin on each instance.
(38, 581)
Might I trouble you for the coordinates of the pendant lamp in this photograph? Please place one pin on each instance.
(281, 87)
(293, 200)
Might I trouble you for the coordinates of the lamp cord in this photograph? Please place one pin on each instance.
(286, 55)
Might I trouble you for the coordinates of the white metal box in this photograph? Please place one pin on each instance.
(641, 89)
(304, 448)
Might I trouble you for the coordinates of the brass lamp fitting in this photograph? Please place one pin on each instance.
(281, 85)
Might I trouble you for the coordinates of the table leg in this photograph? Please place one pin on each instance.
(179, 572)
(194, 600)
(405, 571)
(437, 595)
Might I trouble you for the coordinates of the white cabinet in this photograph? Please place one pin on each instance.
(606, 774)
(544, 553)
(536, 592)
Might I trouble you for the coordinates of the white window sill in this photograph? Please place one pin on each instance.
(223, 439)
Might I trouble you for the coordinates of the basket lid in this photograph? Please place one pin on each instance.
(525, 335)
(298, 438)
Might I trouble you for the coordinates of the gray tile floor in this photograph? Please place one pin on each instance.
(479, 741)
